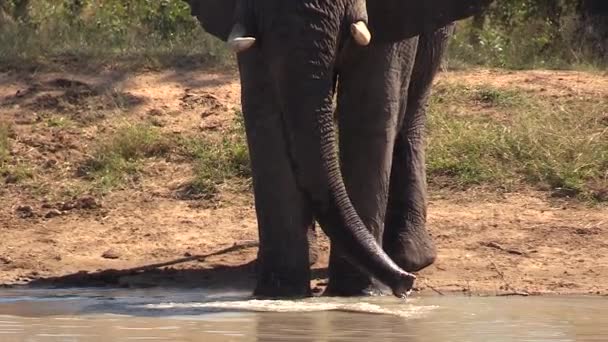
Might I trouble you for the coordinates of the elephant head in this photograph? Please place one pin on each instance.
(391, 19)
(300, 40)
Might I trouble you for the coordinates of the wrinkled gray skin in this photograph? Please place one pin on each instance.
(371, 199)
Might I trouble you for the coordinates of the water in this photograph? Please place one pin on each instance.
(157, 315)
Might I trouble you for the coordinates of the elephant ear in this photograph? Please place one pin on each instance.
(461, 9)
(216, 16)
(392, 20)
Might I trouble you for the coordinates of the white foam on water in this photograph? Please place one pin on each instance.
(148, 338)
(68, 319)
(147, 329)
(66, 335)
(9, 327)
(405, 310)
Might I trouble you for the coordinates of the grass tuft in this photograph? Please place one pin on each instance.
(12, 171)
(60, 122)
(492, 97)
(120, 156)
(558, 144)
(4, 143)
(217, 159)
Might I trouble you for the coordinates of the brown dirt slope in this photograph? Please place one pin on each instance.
(488, 243)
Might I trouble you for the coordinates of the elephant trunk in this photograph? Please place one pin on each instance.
(305, 82)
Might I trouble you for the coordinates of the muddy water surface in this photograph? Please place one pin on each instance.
(87, 316)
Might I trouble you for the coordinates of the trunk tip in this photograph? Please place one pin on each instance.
(404, 285)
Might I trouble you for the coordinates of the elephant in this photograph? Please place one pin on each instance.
(365, 185)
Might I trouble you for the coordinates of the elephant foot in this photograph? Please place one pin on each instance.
(281, 290)
(350, 285)
(278, 280)
(412, 251)
(348, 290)
(357, 289)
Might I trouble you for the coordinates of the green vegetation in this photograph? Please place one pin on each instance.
(120, 157)
(478, 136)
(513, 137)
(523, 34)
(134, 33)
(59, 122)
(17, 173)
(216, 159)
(143, 33)
(4, 144)
(11, 172)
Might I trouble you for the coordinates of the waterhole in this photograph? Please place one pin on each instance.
(164, 315)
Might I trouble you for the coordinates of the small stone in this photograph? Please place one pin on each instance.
(49, 163)
(53, 213)
(11, 179)
(25, 211)
(65, 206)
(155, 112)
(157, 122)
(26, 119)
(110, 254)
(564, 193)
(210, 123)
(88, 202)
(6, 260)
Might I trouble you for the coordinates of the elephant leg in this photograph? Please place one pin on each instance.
(370, 86)
(284, 216)
(406, 239)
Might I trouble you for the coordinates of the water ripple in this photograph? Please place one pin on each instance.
(286, 306)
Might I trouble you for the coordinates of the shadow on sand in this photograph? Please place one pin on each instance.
(240, 277)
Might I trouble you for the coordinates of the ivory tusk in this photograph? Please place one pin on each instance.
(361, 33)
(241, 44)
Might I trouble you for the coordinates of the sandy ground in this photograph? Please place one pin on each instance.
(497, 244)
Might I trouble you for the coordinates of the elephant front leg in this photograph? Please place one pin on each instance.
(284, 217)
(406, 238)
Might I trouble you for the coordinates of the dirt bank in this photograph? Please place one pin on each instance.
(53, 228)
